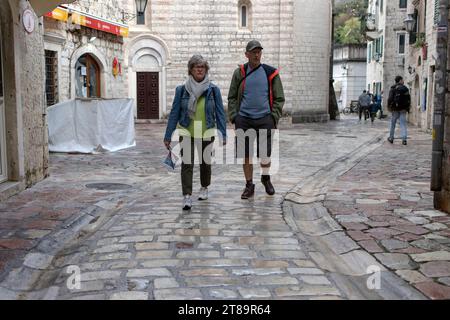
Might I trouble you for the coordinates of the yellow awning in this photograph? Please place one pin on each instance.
(42, 7)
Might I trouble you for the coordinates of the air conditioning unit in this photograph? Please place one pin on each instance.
(400, 61)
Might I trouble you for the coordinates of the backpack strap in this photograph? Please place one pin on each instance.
(271, 77)
(243, 73)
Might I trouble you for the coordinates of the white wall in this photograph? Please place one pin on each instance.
(352, 81)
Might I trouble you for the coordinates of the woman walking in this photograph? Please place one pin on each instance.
(197, 110)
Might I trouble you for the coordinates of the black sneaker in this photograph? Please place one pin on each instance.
(249, 191)
(268, 185)
(405, 142)
(391, 140)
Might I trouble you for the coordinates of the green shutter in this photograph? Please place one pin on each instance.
(436, 12)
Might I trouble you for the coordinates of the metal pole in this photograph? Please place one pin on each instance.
(333, 108)
(440, 98)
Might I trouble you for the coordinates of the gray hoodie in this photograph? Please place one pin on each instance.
(364, 100)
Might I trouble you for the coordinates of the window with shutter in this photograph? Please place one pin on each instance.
(436, 12)
(51, 77)
(413, 34)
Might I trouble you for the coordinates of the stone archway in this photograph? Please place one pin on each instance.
(101, 61)
(147, 57)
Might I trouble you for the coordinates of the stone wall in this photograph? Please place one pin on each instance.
(311, 56)
(390, 24)
(32, 79)
(71, 41)
(419, 116)
(106, 9)
(442, 198)
(394, 25)
(186, 27)
(23, 79)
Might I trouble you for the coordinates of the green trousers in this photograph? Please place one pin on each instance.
(204, 151)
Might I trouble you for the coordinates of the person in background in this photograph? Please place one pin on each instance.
(399, 103)
(364, 101)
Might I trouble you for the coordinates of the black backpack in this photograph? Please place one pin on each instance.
(401, 98)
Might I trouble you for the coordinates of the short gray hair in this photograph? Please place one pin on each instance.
(195, 60)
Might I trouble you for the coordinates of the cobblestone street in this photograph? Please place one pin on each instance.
(346, 201)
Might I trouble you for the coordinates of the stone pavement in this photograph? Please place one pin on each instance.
(385, 205)
(135, 242)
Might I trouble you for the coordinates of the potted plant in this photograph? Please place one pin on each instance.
(420, 41)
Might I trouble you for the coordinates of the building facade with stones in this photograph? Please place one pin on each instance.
(349, 72)
(386, 45)
(23, 127)
(442, 198)
(420, 61)
(296, 37)
(84, 54)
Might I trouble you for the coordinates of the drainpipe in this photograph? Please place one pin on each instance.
(440, 98)
(333, 108)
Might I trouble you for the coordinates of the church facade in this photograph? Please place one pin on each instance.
(296, 36)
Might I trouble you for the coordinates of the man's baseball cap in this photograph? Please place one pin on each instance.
(253, 45)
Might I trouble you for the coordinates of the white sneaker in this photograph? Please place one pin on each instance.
(203, 194)
(187, 202)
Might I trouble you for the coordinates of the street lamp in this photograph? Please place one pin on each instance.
(409, 23)
(140, 8)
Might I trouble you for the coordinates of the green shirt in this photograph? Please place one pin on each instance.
(197, 127)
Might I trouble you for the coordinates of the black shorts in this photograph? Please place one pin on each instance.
(248, 130)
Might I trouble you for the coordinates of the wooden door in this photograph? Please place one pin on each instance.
(148, 95)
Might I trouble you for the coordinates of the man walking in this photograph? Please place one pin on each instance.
(364, 103)
(399, 103)
(255, 102)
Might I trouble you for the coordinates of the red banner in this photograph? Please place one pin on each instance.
(104, 26)
(89, 22)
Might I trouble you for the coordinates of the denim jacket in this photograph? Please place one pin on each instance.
(214, 111)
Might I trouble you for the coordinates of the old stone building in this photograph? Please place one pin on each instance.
(23, 129)
(386, 46)
(84, 51)
(420, 61)
(296, 37)
(394, 50)
(440, 170)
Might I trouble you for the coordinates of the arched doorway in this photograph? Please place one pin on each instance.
(147, 92)
(87, 77)
(148, 57)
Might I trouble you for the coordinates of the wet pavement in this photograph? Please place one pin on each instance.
(133, 241)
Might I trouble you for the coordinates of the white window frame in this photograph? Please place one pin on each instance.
(241, 9)
(399, 34)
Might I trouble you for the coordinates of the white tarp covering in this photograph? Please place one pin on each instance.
(90, 126)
